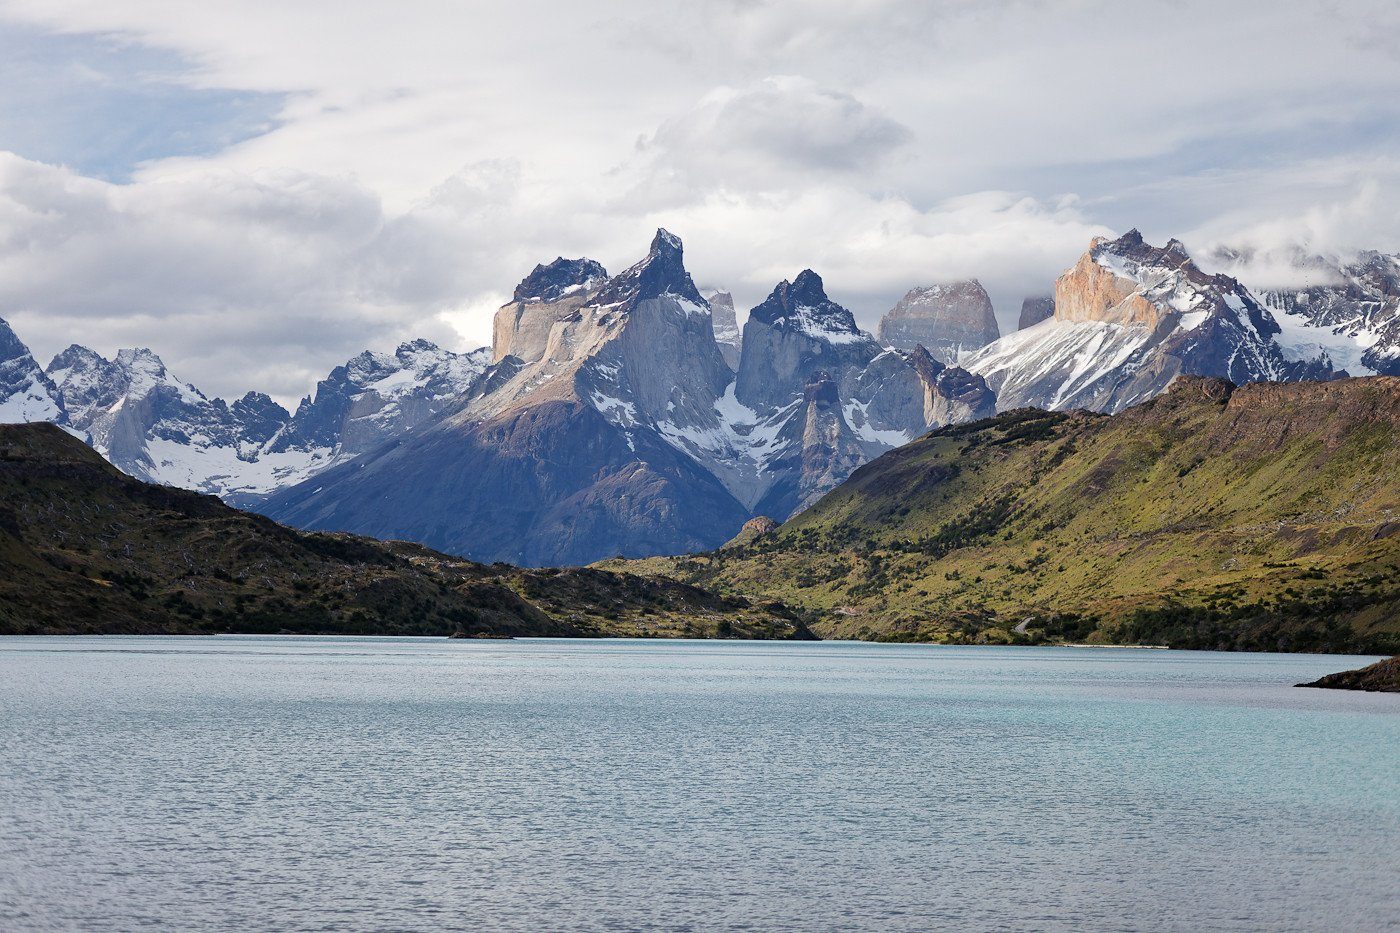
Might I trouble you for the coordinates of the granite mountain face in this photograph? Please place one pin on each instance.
(950, 320)
(1034, 309)
(613, 423)
(726, 326)
(569, 455)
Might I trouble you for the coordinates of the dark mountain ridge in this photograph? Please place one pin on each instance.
(86, 549)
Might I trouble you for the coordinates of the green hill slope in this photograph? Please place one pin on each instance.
(1265, 517)
(87, 549)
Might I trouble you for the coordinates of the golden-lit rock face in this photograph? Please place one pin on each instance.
(522, 328)
(1091, 291)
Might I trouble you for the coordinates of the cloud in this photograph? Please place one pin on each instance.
(241, 281)
(396, 176)
(268, 280)
(1331, 209)
(104, 106)
(869, 251)
(771, 132)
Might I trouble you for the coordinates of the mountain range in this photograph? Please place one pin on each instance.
(631, 415)
(613, 424)
(1349, 311)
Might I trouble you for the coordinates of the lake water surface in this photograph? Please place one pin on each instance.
(290, 783)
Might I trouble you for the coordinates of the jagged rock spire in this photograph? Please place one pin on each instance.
(802, 304)
(662, 272)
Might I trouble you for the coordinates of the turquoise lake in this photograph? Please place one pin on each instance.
(297, 783)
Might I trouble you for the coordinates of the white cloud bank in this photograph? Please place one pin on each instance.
(426, 155)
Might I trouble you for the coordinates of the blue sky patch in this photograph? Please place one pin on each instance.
(102, 106)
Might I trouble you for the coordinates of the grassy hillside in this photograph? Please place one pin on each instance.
(87, 549)
(1265, 517)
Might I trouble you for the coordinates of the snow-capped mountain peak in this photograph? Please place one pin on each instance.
(1347, 310)
(802, 306)
(1129, 317)
(373, 397)
(26, 393)
(154, 426)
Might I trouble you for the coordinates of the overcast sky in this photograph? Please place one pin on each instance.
(259, 189)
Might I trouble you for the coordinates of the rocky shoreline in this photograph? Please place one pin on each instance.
(1381, 677)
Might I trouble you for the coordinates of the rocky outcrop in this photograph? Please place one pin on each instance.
(1263, 415)
(1035, 309)
(817, 450)
(1381, 677)
(755, 528)
(26, 393)
(1127, 281)
(558, 279)
(951, 395)
(955, 395)
(796, 332)
(260, 417)
(1129, 318)
(726, 327)
(949, 320)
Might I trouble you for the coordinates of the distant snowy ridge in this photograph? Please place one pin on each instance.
(156, 427)
(1129, 318)
(1348, 312)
